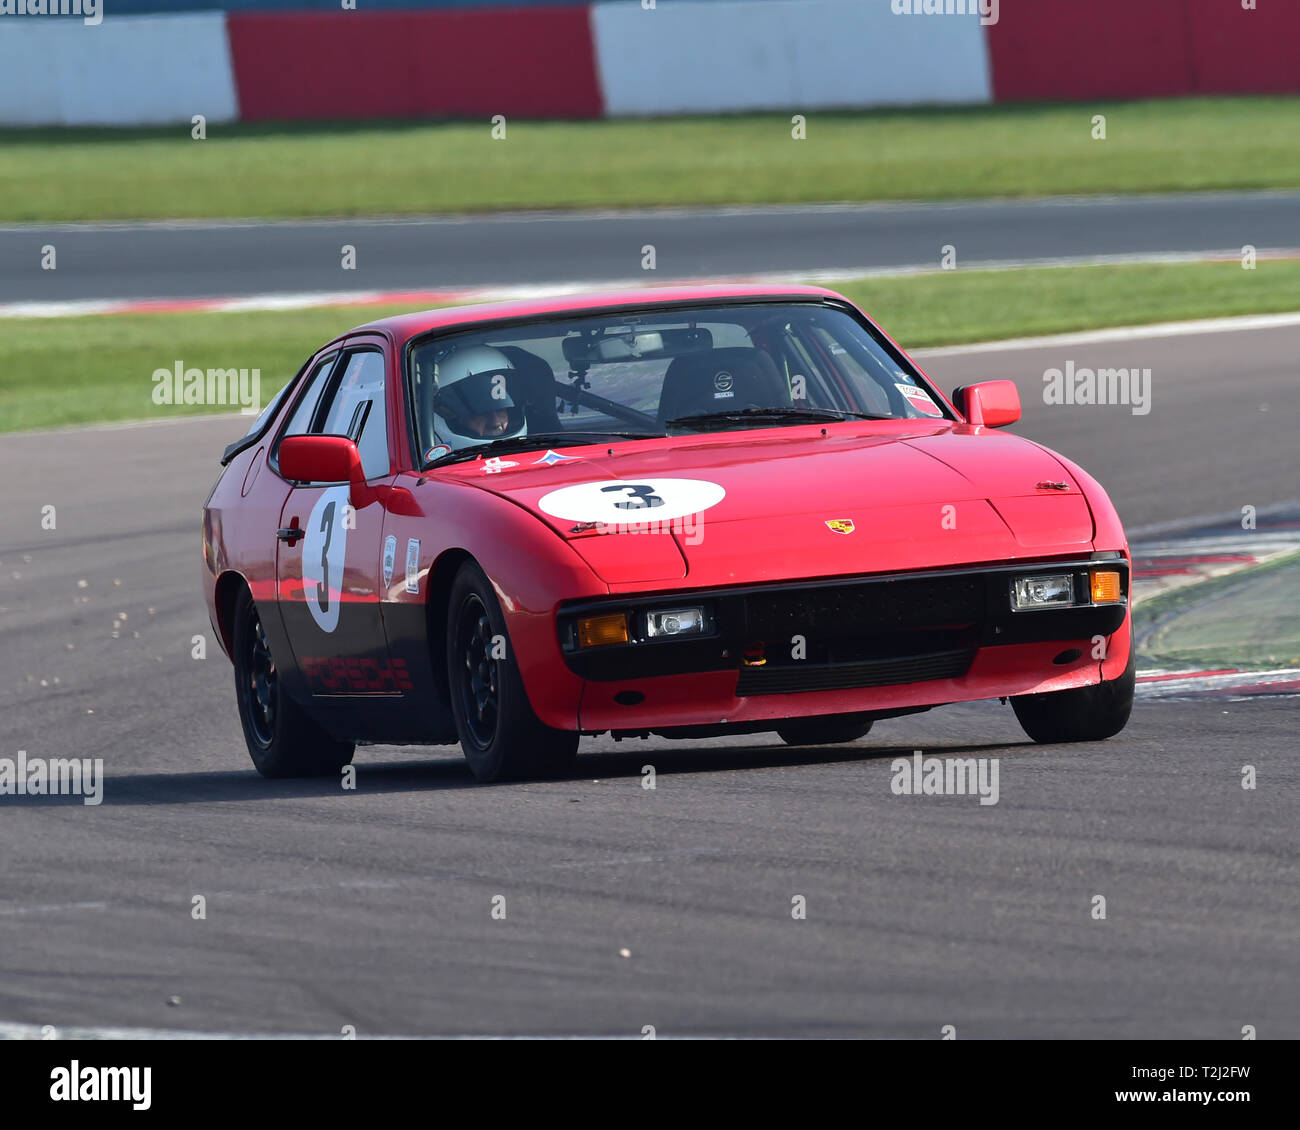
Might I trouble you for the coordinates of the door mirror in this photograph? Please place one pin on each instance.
(320, 459)
(993, 404)
(325, 459)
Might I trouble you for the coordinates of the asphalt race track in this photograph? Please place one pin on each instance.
(373, 908)
(196, 260)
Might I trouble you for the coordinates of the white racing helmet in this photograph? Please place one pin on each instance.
(470, 397)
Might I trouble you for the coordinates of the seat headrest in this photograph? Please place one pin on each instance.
(533, 385)
(721, 380)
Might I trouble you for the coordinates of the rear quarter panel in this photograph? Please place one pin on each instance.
(239, 524)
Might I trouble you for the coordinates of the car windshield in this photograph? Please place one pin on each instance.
(656, 372)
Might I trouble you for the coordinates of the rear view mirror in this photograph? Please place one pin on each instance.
(634, 345)
(992, 404)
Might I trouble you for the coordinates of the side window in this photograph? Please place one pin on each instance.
(362, 384)
(300, 422)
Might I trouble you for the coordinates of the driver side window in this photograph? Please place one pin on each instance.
(305, 410)
(357, 409)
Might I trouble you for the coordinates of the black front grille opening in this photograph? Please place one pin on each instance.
(889, 606)
(793, 679)
(819, 650)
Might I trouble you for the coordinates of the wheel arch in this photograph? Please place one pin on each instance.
(441, 574)
(228, 587)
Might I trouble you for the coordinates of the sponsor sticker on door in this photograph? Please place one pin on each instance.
(413, 565)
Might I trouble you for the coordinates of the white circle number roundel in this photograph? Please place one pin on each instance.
(324, 551)
(619, 501)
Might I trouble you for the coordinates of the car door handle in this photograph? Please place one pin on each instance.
(290, 534)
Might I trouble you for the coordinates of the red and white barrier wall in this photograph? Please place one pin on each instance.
(616, 58)
(1067, 50)
(681, 58)
(453, 62)
(134, 70)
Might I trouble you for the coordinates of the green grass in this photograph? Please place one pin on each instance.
(957, 307)
(1248, 619)
(388, 168)
(79, 370)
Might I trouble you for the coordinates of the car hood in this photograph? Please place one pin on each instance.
(790, 503)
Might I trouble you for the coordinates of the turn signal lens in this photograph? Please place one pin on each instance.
(601, 631)
(1105, 586)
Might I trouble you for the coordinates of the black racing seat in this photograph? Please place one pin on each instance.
(533, 388)
(721, 380)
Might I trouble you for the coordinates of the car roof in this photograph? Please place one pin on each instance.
(402, 327)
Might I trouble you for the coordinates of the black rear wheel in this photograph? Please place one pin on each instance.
(501, 736)
(282, 740)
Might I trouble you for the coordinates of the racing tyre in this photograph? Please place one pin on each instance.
(500, 735)
(823, 731)
(1085, 714)
(282, 740)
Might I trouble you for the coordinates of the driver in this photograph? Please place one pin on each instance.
(472, 402)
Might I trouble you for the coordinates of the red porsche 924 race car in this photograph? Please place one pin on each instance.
(686, 512)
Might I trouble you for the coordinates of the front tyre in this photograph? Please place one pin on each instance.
(1085, 714)
(500, 735)
(282, 740)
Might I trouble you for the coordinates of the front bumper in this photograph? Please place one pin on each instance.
(862, 643)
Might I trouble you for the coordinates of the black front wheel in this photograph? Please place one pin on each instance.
(500, 735)
(282, 740)
(1084, 714)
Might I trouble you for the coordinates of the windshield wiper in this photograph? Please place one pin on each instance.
(535, 440)
(771, 416)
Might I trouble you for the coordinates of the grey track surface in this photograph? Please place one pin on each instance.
(194, 260)
(371, 908)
